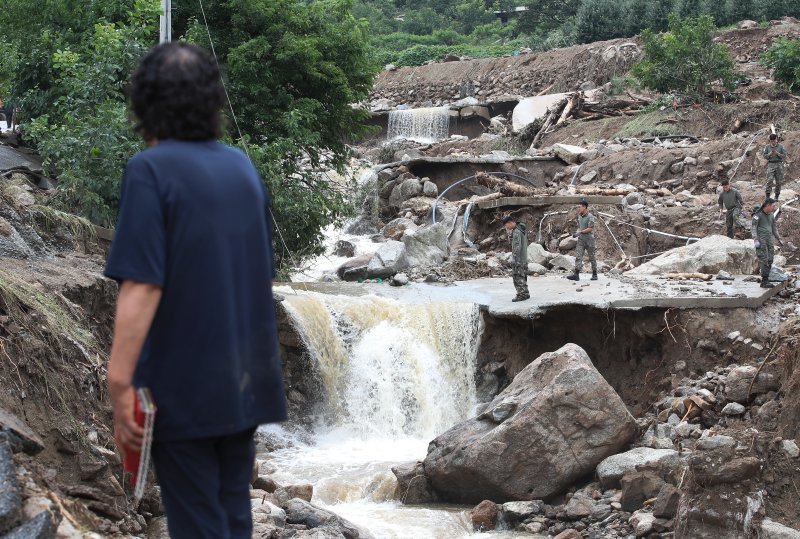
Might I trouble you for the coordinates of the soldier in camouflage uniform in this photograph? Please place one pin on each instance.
(763, 229)
(519, 257)
(775, 155)
(731, 200)
(585, 235)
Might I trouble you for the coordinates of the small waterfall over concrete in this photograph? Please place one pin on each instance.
(390, 370)
(421, 125)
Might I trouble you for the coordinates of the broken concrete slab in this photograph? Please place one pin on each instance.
(531, 109)
(624, 292)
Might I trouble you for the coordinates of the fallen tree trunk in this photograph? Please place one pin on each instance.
(701, 276)
(504, 186)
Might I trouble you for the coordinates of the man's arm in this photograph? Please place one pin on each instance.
(739, 201)
(136, 306)
(775, 232)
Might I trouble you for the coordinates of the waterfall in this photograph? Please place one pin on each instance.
(421, 125)
(390, 369)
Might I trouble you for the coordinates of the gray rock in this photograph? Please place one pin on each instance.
(709, 255)
(686, 430)
(637, 487)
(565, 262)
(427, 245)
(666, 505)
(568, 153)
(790, 448)
(400, 279)
(19, 435)
(344, 248)
(733, 408)
(589, 177)
(401, 192)
(519, 511)
(536, 269)
(429, 189)
(389, 259)
(737, 383)
(567, 420)
(724, 276)
(42, 526)
(775, 530)
(777, 276)
(267, 513)
(396, 228)
(539, 255)
(611, 470)
(567, 244)
(10, 497)
(413, 486)
(579, 506)
(719, 441)
(355, 268)
(642, 523)
(677, 168)
(634, 198)
(302, 512)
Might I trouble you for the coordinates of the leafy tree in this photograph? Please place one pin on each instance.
(657, 15)
(689, 8)
(294, 69)
(544, 15)
(599, 20)
(686, 59)
(784, 60)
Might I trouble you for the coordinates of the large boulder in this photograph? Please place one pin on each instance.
(355, 268)
(538, 254)
(426, 246)
(412, 485)
(709, 255)
(395, 228)
(388, 259)
(552, 425)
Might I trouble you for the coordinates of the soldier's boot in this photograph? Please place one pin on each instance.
(521, 298)
(574, 277)
(594, 275)
(765, 282)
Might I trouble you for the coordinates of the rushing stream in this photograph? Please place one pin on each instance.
(395, 376)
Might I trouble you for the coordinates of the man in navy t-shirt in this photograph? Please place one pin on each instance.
(195, 318)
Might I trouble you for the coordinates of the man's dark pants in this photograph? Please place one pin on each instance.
(205, 486)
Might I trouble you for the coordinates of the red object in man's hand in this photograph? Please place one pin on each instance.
(137, 462)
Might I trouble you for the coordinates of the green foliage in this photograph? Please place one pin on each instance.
(784, 60)
(72, 87)
(598, 20)
(686, 59)
(294, 68)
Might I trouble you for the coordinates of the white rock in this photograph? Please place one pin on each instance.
(775, 530)
(531, 109)
(642, 523)
(790, 448)
(715, 442)
(538, 254)
(733, 408)
(611, 470)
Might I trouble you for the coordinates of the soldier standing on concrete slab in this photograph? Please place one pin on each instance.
(763, 230)
(731, 200)
(519, 257)
(775, 155)
(585, 235)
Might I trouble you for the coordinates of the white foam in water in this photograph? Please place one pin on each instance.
(421, 125)
(395, 376)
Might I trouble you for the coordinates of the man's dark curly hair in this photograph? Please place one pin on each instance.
(176, 92)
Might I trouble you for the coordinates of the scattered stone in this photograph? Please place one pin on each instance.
(733, 471)
(790, 448)
(478, 459)
(611, 470)
(395, 228)
(536, 269)
(567, 244)
(642, 522)
(733, 408)
(311, 516)
(737, 383)
(539, 255)
(666, 505)
(710, 443)
(579, 506)
(429, 189)
(484, 516)
(638, 487)
(564, 262)
(569, 534)
(19, 434)
(10, 497)
(344, 248)
(519, 511)
(40, 527)
(775, 530)
(400, 279)
(428, 245)
(589, 177)
(388, 259)
(723, 275)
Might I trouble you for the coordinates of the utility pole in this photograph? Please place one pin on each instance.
(166, 22)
